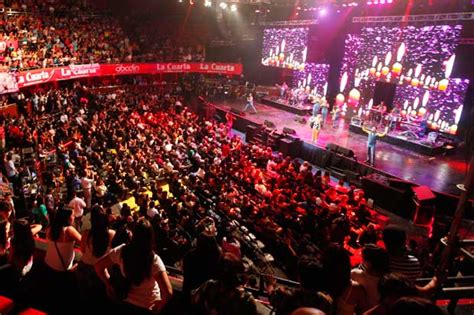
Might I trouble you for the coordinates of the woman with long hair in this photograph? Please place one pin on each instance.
(22, 247)
(149, 287)
(61, 236)
(4, 240)
(95, 243)
(349, 296)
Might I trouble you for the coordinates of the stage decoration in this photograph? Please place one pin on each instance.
(285, 47)
(354, 97)
(420, 62)
(313, 78)
(441, 106)
(340, 99)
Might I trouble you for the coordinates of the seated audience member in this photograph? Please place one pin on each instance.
(348, 295)
(225, 294)
(149, 288)
(401, 262)
(310, 294)
(374, 266)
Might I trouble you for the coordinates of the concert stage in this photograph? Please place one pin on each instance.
(440, 173)
(283, 105)
(419, 146)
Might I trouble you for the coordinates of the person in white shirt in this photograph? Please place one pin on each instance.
(86, 185)
(152, 211)
(374, 265)
(150, 288)
(10, 167)
(77, 205)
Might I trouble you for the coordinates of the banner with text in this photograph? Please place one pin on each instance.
(39, 76)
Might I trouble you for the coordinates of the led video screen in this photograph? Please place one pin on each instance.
(419, 60)
(285, 47)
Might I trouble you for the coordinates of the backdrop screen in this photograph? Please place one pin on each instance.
(285, 47)
(418, 60)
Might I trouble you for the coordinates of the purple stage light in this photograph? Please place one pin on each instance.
(285, 47)
(323, 11)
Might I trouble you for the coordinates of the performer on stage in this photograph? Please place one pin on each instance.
(315, 124)
(283, 89)
(250, 103)
(381, 110)
(324, 110)
(372, 135)
(394, 115)
(336, 114)
(316, 101)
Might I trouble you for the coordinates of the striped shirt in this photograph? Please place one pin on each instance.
(406, 265)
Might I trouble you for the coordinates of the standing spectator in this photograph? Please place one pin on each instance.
(95, 243)
(349, 296)
(401, 262)
(77, 204)
(60, 290)
(225, 294)
(86, 185)
(374, 266)
(149, 285)
(200, 263)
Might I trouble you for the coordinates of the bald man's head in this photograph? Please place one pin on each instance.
(308, 311)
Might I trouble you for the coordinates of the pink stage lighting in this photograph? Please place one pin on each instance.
(323, 12)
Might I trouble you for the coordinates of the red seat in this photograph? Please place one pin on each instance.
(6, 305)
(32, 311)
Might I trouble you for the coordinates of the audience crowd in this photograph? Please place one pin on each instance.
(40, 35)
(130, 180)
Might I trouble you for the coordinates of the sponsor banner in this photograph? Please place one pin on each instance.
(4, 44)
(28, 78)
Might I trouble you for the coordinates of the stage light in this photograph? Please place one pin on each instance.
(223, 5)
(233, 8)
(207, 3)
(323, 11)
(382, 1)
(369, 2)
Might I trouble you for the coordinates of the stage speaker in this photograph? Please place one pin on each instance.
(340, 150)
(388, 198)
(289, 131)
(331, 147)
(269, 124)
(400, 184)
(346, 152)
(300, 119)
(236, 111)
(424, 200)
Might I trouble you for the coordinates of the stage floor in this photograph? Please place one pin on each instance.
(441, 173)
